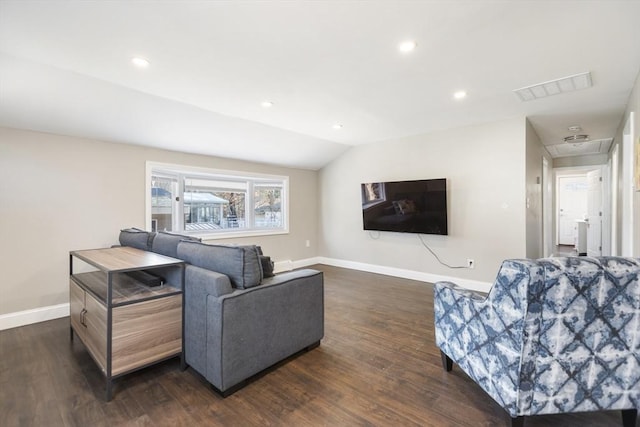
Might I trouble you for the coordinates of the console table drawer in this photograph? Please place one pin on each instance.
(146, 332)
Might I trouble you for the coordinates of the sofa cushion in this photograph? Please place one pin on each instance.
(265, 261)
(136, 238)
(167, 243)
(240, 263)
(267, 266)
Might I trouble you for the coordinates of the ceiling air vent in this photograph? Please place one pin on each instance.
(554, 87)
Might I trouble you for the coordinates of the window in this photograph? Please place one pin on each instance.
(210, 203)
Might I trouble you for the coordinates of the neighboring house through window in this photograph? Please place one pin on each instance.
(214, 203)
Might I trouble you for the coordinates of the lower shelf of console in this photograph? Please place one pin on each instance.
(142, 333)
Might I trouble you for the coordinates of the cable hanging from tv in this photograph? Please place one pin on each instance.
(436, 255)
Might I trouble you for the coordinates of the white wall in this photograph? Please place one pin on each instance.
(577, 161)
(485, 170)
(534, 155)
(59, 193)
(632, 106)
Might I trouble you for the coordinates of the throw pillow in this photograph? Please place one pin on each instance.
(267, 266)
(167, 243)
(136, 238)
(240, 263)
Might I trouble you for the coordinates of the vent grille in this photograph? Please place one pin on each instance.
(555, 87)
(596, 146)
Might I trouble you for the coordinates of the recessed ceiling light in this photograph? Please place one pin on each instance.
(267, 104)
(337, 126)
(461, 94)
(139, 62)
(407, 46)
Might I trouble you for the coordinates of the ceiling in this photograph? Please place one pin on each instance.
(65, 67)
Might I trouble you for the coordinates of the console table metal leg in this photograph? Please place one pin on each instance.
(108, 391)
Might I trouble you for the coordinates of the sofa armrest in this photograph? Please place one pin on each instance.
(252, 329)
(206, 282)
(199, 284)
(288, 276)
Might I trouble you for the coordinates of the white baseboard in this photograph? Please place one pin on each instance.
(288, 265)
(473, 285)
(27, 317)
(36, 315)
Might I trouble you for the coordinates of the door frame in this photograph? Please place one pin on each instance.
(570, 173)
(614, 179)
(626, 187)
(602, 217)
(547, 208)
(606, 194)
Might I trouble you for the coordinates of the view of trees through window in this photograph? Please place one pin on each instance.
(268, 206)
(210, 203)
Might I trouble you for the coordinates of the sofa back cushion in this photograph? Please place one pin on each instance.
(136, 238)
(167, 243)
(240, 263)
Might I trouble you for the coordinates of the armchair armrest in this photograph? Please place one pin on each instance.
(459, 319)
(464, 292)
(485, 336)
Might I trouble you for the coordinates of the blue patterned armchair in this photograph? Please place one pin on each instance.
(553, 335)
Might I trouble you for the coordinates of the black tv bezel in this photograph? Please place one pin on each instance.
(441, 228)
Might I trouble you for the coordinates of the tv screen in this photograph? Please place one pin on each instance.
(406, 206)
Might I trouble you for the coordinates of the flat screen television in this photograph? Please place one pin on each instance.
(418, 206)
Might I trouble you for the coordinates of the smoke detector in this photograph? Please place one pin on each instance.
(574, 129)
(576, 139)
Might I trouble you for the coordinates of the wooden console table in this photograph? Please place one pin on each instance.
(124, 324)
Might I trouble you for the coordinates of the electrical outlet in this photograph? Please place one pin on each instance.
(307, 244)
(471, 263)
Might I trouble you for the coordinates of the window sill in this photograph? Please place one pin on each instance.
(205, 236)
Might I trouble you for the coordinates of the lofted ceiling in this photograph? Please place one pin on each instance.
(65, 67)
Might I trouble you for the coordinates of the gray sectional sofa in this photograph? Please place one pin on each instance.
(240, 319)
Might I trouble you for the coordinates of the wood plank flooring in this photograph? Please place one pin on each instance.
(377, 366)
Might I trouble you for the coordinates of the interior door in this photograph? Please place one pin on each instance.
(572, 206)
(594, 213)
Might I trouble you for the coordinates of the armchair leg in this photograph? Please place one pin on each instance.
(447, 363)
(517, 422)
(629, 417)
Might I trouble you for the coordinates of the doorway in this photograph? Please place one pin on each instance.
(572, 207)
(581, 210)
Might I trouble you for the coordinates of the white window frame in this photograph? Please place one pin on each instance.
(219, 174)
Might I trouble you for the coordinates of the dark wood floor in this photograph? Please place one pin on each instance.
(376, 366)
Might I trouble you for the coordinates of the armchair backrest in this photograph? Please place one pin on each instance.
(553, 335)
(581, 349)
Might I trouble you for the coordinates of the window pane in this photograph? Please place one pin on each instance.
(209, 208)
(212, 203)
(234, 212)
(162, 207)
(268, 206)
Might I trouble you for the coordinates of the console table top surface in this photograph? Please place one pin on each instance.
(124, 258)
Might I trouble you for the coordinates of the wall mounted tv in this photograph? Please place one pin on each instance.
(406, 206)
